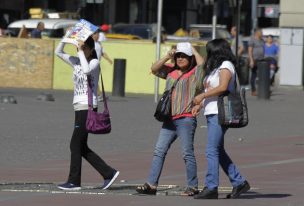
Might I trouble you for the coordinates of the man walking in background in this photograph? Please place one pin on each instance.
(255, 54)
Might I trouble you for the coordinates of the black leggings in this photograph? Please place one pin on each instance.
(79, 148)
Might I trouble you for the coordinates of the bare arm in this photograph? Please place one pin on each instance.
(250, 56)
(106, 57)
(160, 63)
(240, 50)
(199, 59)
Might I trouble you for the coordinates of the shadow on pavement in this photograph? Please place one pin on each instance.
(255, 195)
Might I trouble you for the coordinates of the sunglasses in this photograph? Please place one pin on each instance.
(181, 55)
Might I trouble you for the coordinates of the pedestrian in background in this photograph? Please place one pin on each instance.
(271, 55)
(240, 49)
(182, 124)
(99, 48)
(255, 54)
(84, 65)
(220, 77)
(36, 33)
(100, 53)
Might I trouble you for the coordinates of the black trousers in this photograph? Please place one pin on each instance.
(79, 148)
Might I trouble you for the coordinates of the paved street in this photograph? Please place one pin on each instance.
(34, 154)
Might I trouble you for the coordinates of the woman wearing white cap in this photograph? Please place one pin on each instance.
(188, 74)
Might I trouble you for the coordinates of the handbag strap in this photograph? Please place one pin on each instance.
(237, 86)
(90, 94)
(175, 83)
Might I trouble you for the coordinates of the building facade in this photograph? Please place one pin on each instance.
(176, 13)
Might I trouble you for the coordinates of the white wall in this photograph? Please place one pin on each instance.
(292, 13)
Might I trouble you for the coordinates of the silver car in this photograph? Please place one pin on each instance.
(54, 28)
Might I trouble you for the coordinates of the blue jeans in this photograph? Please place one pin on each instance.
(216, 155)
(184, 128)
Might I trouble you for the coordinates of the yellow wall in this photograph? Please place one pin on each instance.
(139, 57)
(31, 63)
(26, 63)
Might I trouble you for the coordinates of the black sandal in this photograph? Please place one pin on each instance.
(190, 191)
(146, 189)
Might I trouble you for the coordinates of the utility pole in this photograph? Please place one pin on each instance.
(253, 15)
(158, 41)
(237, 25)
(214, 19)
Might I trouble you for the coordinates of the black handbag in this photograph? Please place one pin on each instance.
(232, 107)
(163, 108)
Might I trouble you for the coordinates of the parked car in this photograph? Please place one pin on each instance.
(205, 31)
(144, 31)
(54, 28)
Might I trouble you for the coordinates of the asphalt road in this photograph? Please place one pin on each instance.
(35, 137)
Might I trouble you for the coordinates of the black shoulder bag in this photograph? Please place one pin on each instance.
(232, 107)
(163, 108)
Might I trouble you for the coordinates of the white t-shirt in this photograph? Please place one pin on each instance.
(212, 81)
(102, 37)
(99, 50)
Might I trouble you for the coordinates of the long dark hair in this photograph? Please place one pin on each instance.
(218, 50)
(91, 44)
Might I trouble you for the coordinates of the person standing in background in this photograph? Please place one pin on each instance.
(255, 54)
(100, 53)
(36, 33)
(99, 48)
(271, 55)
(102, 38)
(240, 51)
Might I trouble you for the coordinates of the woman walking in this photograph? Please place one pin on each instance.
(186, 73)
(220, 77)
(84, 65)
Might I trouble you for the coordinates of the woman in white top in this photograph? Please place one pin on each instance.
(84, 65)
(219, 77)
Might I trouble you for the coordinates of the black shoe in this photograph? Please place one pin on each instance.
(207, 194)
(146, 189)
(238, 190)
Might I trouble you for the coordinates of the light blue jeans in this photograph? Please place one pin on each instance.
(184, 128)
(216, 155)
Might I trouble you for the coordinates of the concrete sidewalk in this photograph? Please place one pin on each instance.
(35, 139)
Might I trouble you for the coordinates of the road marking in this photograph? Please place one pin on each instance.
(116, 189)
(280, 162)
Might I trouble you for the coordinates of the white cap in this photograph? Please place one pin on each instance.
(184, 47)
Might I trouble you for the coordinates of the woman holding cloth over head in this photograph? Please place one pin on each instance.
(183, 123)
(219, 77)
(84, 65)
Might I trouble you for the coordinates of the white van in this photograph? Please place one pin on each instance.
(54, 28)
